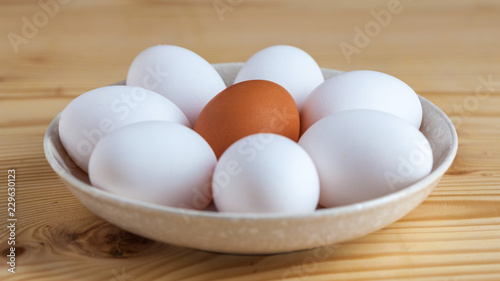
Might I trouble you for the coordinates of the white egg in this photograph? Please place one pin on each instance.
(179, 74)
(364, 154)
(91, 116)
(362, 89)
(265, 173)
(291, 67)
(158, 162)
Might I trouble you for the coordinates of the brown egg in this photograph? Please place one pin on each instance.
(246, 108)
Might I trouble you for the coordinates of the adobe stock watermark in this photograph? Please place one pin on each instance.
(31, 26)
(222, 177)
(363, 37)
(310, 263)
(120, 108)
(485, 87)
(249, 149)
(153, 78)
(121, 275)
(223, 6)
(409, 165)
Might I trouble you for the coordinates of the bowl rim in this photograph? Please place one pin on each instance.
(334, 211)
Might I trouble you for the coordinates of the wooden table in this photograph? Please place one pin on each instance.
(448, 51)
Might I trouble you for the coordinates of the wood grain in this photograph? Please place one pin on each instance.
(442, 49)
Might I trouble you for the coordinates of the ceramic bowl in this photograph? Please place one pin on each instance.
(257, 233)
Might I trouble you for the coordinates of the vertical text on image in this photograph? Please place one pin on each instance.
(11, 220)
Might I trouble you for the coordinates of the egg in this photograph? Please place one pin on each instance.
(178, 74)
(364, 154)
(362, 89)
(157, 162)
(94, 114)
(265, 173)
(245, 108)
(288, 66)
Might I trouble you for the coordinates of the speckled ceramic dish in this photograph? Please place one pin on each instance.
(258, 233)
